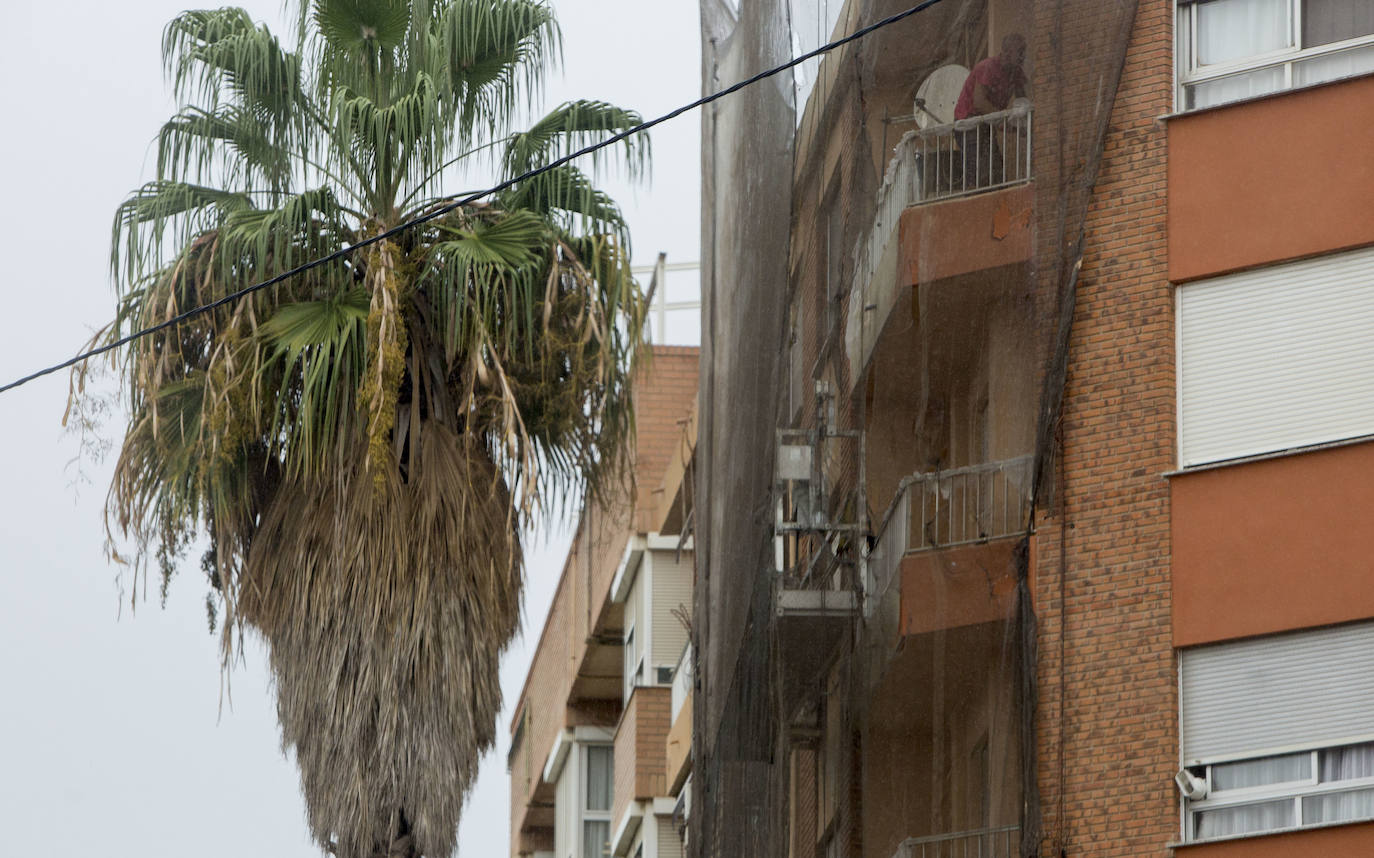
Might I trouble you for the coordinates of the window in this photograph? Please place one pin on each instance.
(596, 811)
(1234, 49)
(1287, 791)
(582, 824)
(654, 637)
(633, 663)
(1276, 358)
(636, 630)
(1249, 707)
(836, 265)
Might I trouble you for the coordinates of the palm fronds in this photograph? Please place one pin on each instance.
(364, 443)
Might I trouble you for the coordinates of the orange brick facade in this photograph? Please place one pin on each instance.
(640, 738)
(1132, 560)
(1108, 740)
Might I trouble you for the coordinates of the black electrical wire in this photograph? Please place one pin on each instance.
(445, 209)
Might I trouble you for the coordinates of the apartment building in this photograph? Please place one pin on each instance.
(601, 731)
(1035, 446)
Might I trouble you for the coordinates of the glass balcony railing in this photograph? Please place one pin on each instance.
(682, 680)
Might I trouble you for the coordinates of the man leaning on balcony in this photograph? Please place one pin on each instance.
(990, 87)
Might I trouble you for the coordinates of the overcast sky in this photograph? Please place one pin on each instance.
(112, 738)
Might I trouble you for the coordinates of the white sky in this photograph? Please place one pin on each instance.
(111, 738)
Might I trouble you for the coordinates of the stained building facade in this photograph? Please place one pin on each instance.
(1034, 443)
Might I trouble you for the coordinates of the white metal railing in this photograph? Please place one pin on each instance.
(969, 504)
(946, 508)
(970, 155)
(963, 157)
(668, 320)
(956, 507)
(1004, 842)
(682, 681)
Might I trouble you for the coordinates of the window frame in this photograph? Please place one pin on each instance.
(573, 797)
(584, 812)
(631, 670)
(1295, 791)
(1189, 74)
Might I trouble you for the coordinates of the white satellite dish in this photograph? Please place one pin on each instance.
(937, 95)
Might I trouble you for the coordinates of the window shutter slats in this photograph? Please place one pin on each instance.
(1276, 358)
(1256, 697)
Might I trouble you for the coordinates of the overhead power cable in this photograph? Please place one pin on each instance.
(471, 198)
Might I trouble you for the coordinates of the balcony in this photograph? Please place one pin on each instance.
(948, 509)
(1003, 842)
(912, 242)
(970, 513)
(938, 620)
(640, 740)
(679, 744)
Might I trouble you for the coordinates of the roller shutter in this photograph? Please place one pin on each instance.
(1276, 358)
(672, 589)
(669, 846)
(1252, 698)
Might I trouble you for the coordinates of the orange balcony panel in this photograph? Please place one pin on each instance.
(679, 747)
(640, 739)
(1341, 841)
(965, 234)
(1273, 545)
(1278, 178)
(954, 587)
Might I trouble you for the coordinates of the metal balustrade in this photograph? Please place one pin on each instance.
(965, 505)
(940, 509)
(1003, 842)
(970, 155)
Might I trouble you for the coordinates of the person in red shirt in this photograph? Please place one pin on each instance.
(990, 87)
(995, 81)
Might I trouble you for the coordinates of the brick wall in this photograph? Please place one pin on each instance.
(640, 740)
(626, 762)
(661, 407)
(1107, 732)
(650, 741)
(664, 398)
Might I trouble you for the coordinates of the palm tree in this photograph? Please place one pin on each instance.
(362, 444)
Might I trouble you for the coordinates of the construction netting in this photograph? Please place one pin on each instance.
(888, 281)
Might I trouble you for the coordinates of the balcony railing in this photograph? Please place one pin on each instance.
(972, 504)
(682, 680)
(1004, 842)
(941, 509)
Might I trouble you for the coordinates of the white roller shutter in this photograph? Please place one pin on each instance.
(669, 846)
(1276, 358)
(1256, 697)
(672, 588)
